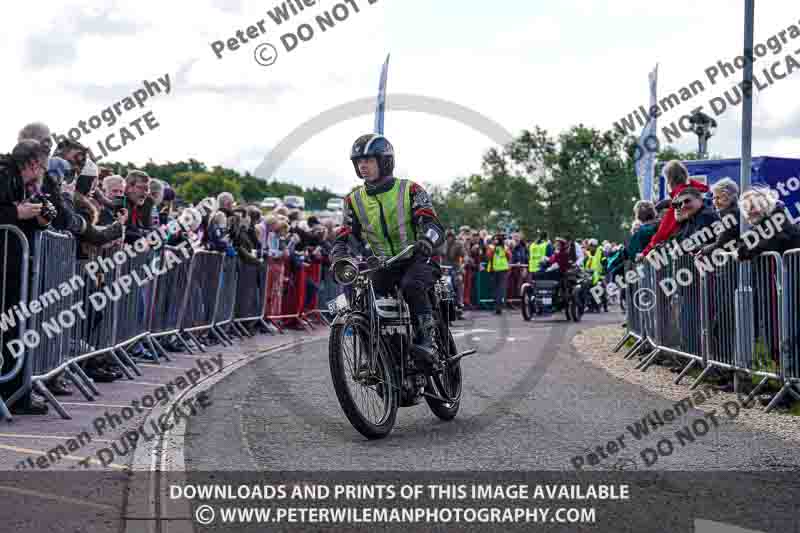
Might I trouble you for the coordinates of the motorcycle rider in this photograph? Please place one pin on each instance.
(390, 214)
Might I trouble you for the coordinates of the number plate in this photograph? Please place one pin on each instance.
(547, 301)
(339, 304)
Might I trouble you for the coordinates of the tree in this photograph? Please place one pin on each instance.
(199, 185)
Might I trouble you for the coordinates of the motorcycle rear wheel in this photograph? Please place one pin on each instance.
(376, 419)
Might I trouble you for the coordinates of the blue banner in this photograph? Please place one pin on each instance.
(380, 110)
(648, 144)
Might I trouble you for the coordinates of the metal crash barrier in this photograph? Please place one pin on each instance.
(14, 267)
(71, 311)
(719, 312)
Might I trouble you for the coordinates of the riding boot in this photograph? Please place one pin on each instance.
(422, 349)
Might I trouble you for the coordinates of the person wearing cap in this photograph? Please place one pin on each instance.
(694, 220)
(90, 242)
(74, 152)
(498, 266)
(59, 186)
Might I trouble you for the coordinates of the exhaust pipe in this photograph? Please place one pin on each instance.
(456, 358)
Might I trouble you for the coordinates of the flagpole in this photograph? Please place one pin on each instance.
(380, 108)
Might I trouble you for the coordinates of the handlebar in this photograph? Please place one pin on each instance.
(386, 263)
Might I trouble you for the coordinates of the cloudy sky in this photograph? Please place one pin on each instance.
(519, 63)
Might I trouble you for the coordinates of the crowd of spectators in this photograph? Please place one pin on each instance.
(61, 189)
(690, 223)
(512, 259)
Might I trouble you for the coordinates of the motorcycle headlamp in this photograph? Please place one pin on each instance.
(345, 272)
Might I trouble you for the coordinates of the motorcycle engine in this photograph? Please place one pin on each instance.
(414, 381)
(413, 385)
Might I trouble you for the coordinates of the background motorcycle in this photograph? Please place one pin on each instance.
(549, 292)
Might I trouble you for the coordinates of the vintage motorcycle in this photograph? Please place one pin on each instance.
(372, 369)
(548, 294)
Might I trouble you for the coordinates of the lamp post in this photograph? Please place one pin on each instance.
(704, 127)
(744, 297)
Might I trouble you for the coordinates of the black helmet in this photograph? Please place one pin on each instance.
(377, 146)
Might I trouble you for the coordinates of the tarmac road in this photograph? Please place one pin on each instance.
(530, 402)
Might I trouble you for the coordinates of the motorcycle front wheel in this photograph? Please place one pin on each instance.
(447, 383)
(367, 392)
(528, 304)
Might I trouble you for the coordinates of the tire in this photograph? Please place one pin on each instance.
(527, 305)
(576, 306)
(341, 375)
(446, 384)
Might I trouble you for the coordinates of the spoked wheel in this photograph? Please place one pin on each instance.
(366, 389)
(528, 304)
(447, 383)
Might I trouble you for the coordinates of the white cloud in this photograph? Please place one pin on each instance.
(520, 63)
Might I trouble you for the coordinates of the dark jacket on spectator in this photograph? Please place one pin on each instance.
(140, 221)
(669, 225)
(562, 258)
(93, 236)
(454, 253)
(787, 238)
(691, 227)
(731, 232)
(640, 239)
(216, 238)
(67, 219)
(12, 192)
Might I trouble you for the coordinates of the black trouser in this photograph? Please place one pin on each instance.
(415, 278)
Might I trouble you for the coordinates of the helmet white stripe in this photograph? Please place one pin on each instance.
(374, 138)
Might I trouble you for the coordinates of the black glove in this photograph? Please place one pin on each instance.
(423, 247)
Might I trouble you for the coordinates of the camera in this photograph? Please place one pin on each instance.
(49, 211)
(118, 204)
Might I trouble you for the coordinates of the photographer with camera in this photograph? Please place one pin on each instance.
(113, 188)
(19, 173)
